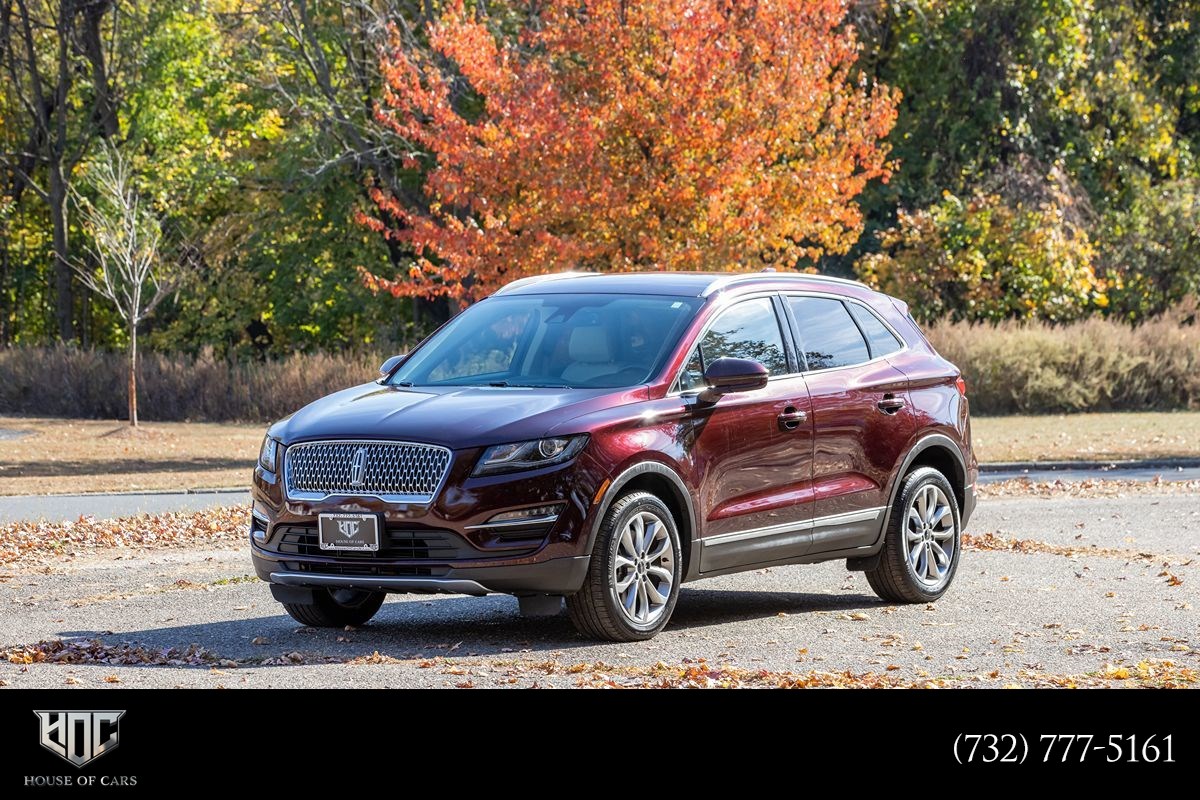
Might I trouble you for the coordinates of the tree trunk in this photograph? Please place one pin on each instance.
(133, 370)
(63, 286)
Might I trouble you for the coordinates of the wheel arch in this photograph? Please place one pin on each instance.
(933, 450)
(664, 483)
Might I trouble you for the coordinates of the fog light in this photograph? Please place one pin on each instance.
(535, 514)
(258, 524)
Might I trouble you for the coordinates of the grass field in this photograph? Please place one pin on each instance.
(66, 456)
(53, 456)
(1087, 437)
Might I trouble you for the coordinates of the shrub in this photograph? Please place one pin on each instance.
(987, 258)
(70, 382)
(1091, 365)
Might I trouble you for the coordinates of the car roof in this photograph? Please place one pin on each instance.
(674, 284)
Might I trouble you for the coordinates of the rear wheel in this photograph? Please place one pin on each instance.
(633, 578)
(921, 546)
(336, 608)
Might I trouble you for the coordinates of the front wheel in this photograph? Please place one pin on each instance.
(336, 608)
(922, 542)
(633, 578)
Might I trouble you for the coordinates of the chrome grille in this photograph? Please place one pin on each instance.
(398, 472)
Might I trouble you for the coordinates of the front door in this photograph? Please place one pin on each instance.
(862, 417)
(752, 449)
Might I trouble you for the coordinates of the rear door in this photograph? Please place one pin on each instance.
(753, 450)
(862, 419)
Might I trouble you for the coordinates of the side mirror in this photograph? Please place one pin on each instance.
(389, 366)
(727, 375)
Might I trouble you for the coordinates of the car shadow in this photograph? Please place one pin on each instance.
(454, 626)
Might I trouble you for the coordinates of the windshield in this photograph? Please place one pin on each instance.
(586, 341)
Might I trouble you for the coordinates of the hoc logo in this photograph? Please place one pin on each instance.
(79, 736)
(348, 528)
(358, 467)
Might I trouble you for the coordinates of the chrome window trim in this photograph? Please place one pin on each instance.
(785, 294)
(723, 307)
(846, 518)
(317, 497)
(904, 346)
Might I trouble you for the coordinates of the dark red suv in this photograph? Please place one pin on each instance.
(606, 438)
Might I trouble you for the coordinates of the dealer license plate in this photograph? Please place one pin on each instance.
(348, 532)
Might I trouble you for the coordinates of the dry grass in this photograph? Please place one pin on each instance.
(58, 456)
(72, 382)
(1087, 437)
(1092, 365)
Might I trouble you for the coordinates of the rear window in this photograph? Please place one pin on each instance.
(881, 341)
(828, 336)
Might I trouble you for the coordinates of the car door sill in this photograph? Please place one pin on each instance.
(790, 540)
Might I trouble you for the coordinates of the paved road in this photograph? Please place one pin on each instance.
(56, 508)
(68, 507)
(1008, 613)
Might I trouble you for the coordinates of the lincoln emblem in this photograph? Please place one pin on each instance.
(358, 467)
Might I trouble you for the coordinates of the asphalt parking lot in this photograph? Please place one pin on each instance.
(1047, 589)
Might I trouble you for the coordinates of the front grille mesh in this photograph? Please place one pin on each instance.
(396, 471)
(432, 544)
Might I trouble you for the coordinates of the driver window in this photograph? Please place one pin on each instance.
(749, 329)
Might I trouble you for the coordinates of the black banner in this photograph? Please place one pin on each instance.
(122, 742)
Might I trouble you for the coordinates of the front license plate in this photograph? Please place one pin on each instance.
(348, 532)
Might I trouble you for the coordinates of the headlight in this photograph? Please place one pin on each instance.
(266, 456)
(529, 455)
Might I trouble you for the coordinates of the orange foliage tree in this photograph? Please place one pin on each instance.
(619, 135)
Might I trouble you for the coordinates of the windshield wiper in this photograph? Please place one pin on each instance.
(507, 385)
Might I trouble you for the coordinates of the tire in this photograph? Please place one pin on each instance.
(601, 609)
(904, 573)
(336, 608)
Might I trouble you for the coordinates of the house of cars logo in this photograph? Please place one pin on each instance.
(79, 736)
(358, 467)
(348, 528)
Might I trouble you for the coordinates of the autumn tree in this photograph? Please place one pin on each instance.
(616, 135)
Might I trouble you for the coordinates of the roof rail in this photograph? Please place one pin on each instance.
(533, 279)
(720, 284)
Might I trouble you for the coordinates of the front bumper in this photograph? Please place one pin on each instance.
(557, 576)
(552, 576)
(447, 545)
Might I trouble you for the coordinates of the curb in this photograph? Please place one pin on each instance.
(156, 492)
(1098, 466)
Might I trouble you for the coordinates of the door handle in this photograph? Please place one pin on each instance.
(890, 404)
(791, 418)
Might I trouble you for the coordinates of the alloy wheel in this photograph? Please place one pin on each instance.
(930, 535)
(643, 570)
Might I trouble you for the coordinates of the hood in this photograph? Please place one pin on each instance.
(457, 417)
